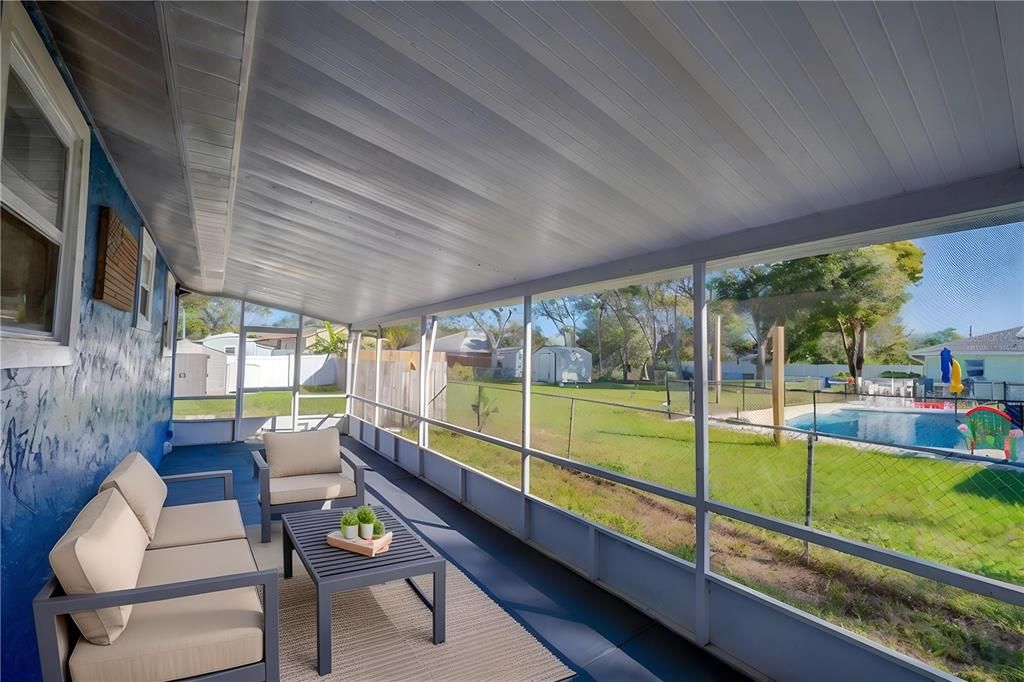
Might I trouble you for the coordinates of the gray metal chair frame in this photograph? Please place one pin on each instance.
(51, 605)
(262, 470)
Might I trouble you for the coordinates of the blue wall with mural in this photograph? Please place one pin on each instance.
(65, 428)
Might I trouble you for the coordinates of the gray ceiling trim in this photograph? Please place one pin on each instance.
(249, 41)
(993, 199)
(172, 92)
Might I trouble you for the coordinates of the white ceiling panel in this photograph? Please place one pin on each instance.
(358, 161)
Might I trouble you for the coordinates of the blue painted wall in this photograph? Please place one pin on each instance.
(65, 428)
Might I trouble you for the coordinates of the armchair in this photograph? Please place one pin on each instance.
(300, 471)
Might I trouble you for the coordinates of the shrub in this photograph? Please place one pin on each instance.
(483, 408)
(892, 374)
(459, 372)
(349, 519)
(365, 515)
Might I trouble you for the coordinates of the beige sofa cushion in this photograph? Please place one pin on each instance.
(191, 562)
(191, 524)
(311, 487)
(303, 452)
(102, 551)
(188, 636)
(142, 487)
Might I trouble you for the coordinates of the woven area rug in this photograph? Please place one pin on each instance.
(384, 633)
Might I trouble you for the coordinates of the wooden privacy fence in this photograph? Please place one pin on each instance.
(399, 386)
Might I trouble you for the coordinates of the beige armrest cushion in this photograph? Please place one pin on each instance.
(303, 453)
(102, 551)
(143, 489)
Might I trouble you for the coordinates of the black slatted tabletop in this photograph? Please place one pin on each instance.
(309, 531)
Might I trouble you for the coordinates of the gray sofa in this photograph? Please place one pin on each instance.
(302, 470)
(143, 592)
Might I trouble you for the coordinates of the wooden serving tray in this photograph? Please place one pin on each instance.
(359, 545)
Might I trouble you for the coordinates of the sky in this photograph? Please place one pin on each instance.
(972, 279)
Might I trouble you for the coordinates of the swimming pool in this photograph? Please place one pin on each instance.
(894, 428)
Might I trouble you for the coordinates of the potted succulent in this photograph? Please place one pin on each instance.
(349, 525)
(378, 529)
(366, 518)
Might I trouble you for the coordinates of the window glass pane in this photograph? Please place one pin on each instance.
(611, 372)
(365, 377)
(269, 360)
(205, 362)
(483, 351)
(267, 404)
(199, 409)
(34, 158)
(28, 281)
(850, 346)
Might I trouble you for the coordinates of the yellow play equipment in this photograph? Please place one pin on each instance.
(956, 386)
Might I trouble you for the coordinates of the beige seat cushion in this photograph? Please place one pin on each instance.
(191, 524)
(102, 551)
(142, 487)
(303, 452)
(312, 487)
(185, 637)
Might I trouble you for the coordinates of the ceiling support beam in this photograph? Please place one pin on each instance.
(248, 41)
(170, 79)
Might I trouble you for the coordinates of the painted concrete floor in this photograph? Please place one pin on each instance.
(597, 634)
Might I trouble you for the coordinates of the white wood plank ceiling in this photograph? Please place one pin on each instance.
(354, 161)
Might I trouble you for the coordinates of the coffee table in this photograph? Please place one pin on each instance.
(336, 570)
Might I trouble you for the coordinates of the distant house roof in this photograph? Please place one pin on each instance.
(460, 342)
(186, 346)
(1005, 341)
(306, 333)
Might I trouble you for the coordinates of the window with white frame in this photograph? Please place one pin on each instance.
(45, 157)
(169, 306)
(147, 274)
(974, 368)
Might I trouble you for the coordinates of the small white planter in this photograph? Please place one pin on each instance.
(366, 531)
(349, 532)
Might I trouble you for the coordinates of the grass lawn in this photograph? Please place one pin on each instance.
(264, 404)
(961, 514)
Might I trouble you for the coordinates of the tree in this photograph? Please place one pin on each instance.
(399, 336)
(925, 339)
(334, 342)
(847, 293)
(888, 342)
(735, 337)
(757, 293)
(855, 290)
(565, 313)
(594, 308)
(678, 297)
(203, 316)
(494, 328)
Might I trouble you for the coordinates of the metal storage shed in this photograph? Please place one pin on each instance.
(562, 365)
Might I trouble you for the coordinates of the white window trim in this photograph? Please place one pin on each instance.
(170, 307)
(147, 250)
(23, 51)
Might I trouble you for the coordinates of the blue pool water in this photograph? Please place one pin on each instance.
(894, 428)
